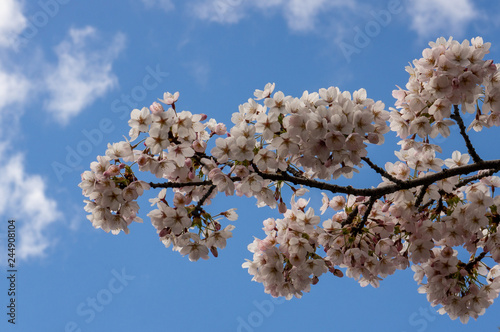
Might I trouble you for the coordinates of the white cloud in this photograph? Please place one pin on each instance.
(166, 5)
(220, 11)
(14, 88)
(24, 199)
(14, 92)
(12, 22)
(300, 15)
(432, 18)
(82, 74)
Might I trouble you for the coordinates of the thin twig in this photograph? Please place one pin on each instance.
(179, 184)
(197, 209)
(471, 264)
(456, 116)
(421, 195)
(475, 177)
(295, 172)
(350, 217)
(187, 184)
(429, 203)
(381, 171)
(365, 216)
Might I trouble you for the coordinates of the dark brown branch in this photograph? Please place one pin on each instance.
(186, 184)
(295, 172)
(179, 184)
(389, 189)
(456, 116)
(197, 209)
(381, 171)
(475, 177)
(421, 195)
(429, 203)
(350, 217)
(491, 165)
(476, 260)
(365, 216)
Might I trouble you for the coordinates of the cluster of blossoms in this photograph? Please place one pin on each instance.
(323, 133)
(416, 216)
(174, 150)
(449, 74)
(285, 260)
(112, 190)
(452, 285)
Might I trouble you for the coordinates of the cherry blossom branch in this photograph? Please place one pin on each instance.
(471, 264)
(179, 184)
(295, 172)
(197, 209)
(389, 189)
(475, 177)
(456, 116)
(381, 171)
(421, 195)
(429, 203)
(328, 125)
(350, 217)
(359, 227)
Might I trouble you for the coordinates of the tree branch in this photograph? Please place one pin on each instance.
(475, 177)
(389, 189)
(197, 209)
(492, 166)
(365, 216)
(456, 116)
(179, 184)
(471, 264)
(381, 171)
(350, 217)
(421, 195)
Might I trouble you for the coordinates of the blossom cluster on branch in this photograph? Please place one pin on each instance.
(438, 216)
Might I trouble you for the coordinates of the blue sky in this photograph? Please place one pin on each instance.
(71, 72)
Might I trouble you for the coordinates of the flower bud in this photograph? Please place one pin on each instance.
(143, 160)
(214, 252)
(220, 129)
(199, 146)
(447, 252)
(156, 108)
(338, 273)
(373, 138)
(386, 207)
(315, 280)
(282, 207)
(165, 232)
(113, 170)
